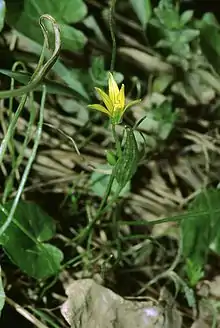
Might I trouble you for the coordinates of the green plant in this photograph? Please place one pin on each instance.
(21, 236)
(131, 194)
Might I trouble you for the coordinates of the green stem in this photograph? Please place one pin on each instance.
(172, 267)
(11, 146)
(104, 205)
(18, 161)
(28, 166)
(81, 238)
(111, 202)
(117, 142)
(111, 180)
(111, 25)
(6, 140)
(105, 198)
(40, 72)
(35, 80)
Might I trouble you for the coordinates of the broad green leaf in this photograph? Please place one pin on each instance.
(210, 42)
(74, 107)
(72, 39)
(70, 76)
(2, 294)
(161, 82)
(200, 231)
(168, 16)
(26, 13)
(186, 17)
(23, 241)
(2, 14)
(68, 11)
(100, 180)
(160, 119)
(97, 71)
(188, 35)
(143, 10)
(99, 75)
(209, 18)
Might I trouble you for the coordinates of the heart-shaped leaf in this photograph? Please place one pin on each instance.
(23, 15)
(23, 241)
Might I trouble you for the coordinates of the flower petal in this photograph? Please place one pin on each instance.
(100, 108)
(113, 90)
(131, 103)
(105, 98)
(121, 97)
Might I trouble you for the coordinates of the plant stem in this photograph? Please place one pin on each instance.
(103, 206)
(41, 71)
(112, 177)
(111, 25)
(28, 166)
(6, 140)
(117, 142)
(105, 198)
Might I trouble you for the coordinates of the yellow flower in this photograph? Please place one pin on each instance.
(114, 101)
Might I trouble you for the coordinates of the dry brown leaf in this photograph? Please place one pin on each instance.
(90, 305)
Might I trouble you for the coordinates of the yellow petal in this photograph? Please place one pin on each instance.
(105, 98)
(100, 108)
(131, 103)
(121, 97)
(112, 88)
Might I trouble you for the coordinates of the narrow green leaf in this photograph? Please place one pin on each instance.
(52, 87)
(111, 157)
(126, 165)
(90, 22)
(70, 77)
